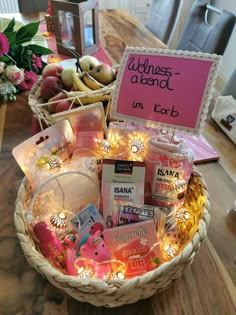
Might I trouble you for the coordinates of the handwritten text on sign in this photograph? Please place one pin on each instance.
(162, 88)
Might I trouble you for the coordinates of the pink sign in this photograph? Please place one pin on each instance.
(167, 88)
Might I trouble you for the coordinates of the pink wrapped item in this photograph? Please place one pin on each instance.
(128, 140)
(168, 169)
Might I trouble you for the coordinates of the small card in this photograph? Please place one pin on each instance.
(88, 220)
(128, 212)
(136, 245)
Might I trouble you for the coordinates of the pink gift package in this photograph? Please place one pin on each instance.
(134, 244)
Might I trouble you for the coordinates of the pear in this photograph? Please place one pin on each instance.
(67, 77)
(103, 73)
(88, 62)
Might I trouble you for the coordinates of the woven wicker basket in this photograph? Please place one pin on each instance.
(44, 116)
(113, 293)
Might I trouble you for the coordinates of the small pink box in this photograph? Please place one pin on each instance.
(136, 245)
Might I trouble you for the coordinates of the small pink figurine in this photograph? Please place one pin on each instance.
(69, 243)
(93, 247)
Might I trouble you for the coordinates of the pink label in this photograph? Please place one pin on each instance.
(164, 88)
(135, 245)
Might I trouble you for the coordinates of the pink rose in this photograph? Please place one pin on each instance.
(29, 81)
(14, 74)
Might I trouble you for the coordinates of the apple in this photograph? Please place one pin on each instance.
(52, 70)
(50, 86)
(66, 77)
(58, 97)
(103, 73)
(88, 62)
(63, 105)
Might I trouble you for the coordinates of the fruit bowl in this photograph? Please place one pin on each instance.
(40, 108)
(55, 92)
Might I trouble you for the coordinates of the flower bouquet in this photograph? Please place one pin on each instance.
(20, 61)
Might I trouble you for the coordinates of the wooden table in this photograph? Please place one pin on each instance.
(208, 285)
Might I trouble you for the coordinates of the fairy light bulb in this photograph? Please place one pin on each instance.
(137, 146)
(179, 187)
(136, 150)
(54, 162)
(117, 275)
(84, 272)
(170, 251)
(59, 220)
(184, 218)
(106, 146)
(170, 244)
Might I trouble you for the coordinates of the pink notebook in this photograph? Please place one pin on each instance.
(203, 151)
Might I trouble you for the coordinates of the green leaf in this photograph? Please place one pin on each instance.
(155, 260)
(39, 50)
(10, 26)
(22, 51)
(5, 59)
(11, 36)
(26, 32)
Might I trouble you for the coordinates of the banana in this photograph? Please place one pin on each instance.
(90, 98)
(78, 84)
(92, 83)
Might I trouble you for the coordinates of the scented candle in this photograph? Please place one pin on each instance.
(168, 169)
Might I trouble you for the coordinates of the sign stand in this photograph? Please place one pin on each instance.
(165, 88)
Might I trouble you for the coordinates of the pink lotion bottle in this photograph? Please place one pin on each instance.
(49, 244)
